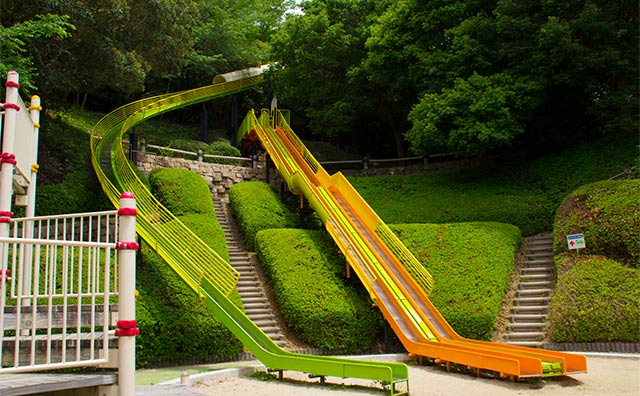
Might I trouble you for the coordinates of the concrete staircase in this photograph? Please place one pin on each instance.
(250, 286)
(528, 318)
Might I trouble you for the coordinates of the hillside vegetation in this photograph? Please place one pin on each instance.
(525, 193)
(597, 290)
(176, 326)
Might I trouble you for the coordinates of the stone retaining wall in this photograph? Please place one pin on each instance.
(220, 177)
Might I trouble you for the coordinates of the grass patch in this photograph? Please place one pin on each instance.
(596, 299)
(524, 193)
(608, 214)
(471, 265)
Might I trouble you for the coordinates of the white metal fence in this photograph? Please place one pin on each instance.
(58, 291)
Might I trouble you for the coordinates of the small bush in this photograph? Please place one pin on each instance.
(596, 299)
(308, 276)
(471, 264)
(181, 191)
(608, 214)
(256, 206)
(216, 148)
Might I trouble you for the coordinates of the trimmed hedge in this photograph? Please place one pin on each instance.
(310, 286)
(256, 207)
(471, 264)
(596, 299)
(608, 214)
(181, 191)
(175, 325)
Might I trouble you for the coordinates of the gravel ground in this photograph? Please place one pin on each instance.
(609, 375)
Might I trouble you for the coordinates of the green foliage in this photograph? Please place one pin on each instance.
(471, 264)
(580, 56)
(524, 193)
(608, 214)
(596, 299)
(181, 191)
(215, 148)
(308, 277)
(477, 115)
(18, 45)
(256, 206)
(209, 230)
(174, 324)
(66, 181)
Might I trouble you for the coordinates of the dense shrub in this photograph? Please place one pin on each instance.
(596, 299)
(608, 214)
(256, 207)
(308, 277)
(471, 265)
(175, 325)
(181, 191)
(66, 180)
(216, 148)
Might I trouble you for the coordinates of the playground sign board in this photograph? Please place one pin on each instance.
(576, 241)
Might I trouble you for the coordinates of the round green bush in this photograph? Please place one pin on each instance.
(596, 299)
(256, 206)
(309, 282)
(181, 191)
(608, 214)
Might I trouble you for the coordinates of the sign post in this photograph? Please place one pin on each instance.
(576, 242)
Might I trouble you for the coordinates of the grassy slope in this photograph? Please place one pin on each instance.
(525, 194)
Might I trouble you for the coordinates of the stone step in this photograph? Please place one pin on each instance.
(528, 318)
(519, 327)
(532, 309)
(537, 277)
(528, 336)
(530, 344)
(262, 316)
(250, 312)
(539, 262)
(537, 249)
(246, 294)
(533, 292)
(535, 285)
(529, 301)
(249, 306)
(535, 271)
(265, 323)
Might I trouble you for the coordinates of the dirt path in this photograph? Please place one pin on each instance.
(610, 376)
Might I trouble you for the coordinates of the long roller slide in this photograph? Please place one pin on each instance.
(211, 277)
(396, 281)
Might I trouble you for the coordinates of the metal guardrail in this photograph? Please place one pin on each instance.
(58, 283)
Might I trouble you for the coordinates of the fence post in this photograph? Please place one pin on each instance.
(8, 158)
(127, 329)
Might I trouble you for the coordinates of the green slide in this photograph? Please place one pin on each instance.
(211, 277)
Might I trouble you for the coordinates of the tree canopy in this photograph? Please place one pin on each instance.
(473, 77)
(383, 77)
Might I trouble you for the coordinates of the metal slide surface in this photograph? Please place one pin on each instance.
(211, 277)
(388, 270)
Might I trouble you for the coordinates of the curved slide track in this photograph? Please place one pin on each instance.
(211, 277)
(398, 284)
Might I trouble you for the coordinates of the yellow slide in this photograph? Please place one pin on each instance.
(398, 284)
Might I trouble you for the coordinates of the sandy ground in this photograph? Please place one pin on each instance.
(607, 376)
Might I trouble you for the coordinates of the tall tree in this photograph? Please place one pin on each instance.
(570, 68)
(18, 45)
(317, 54)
